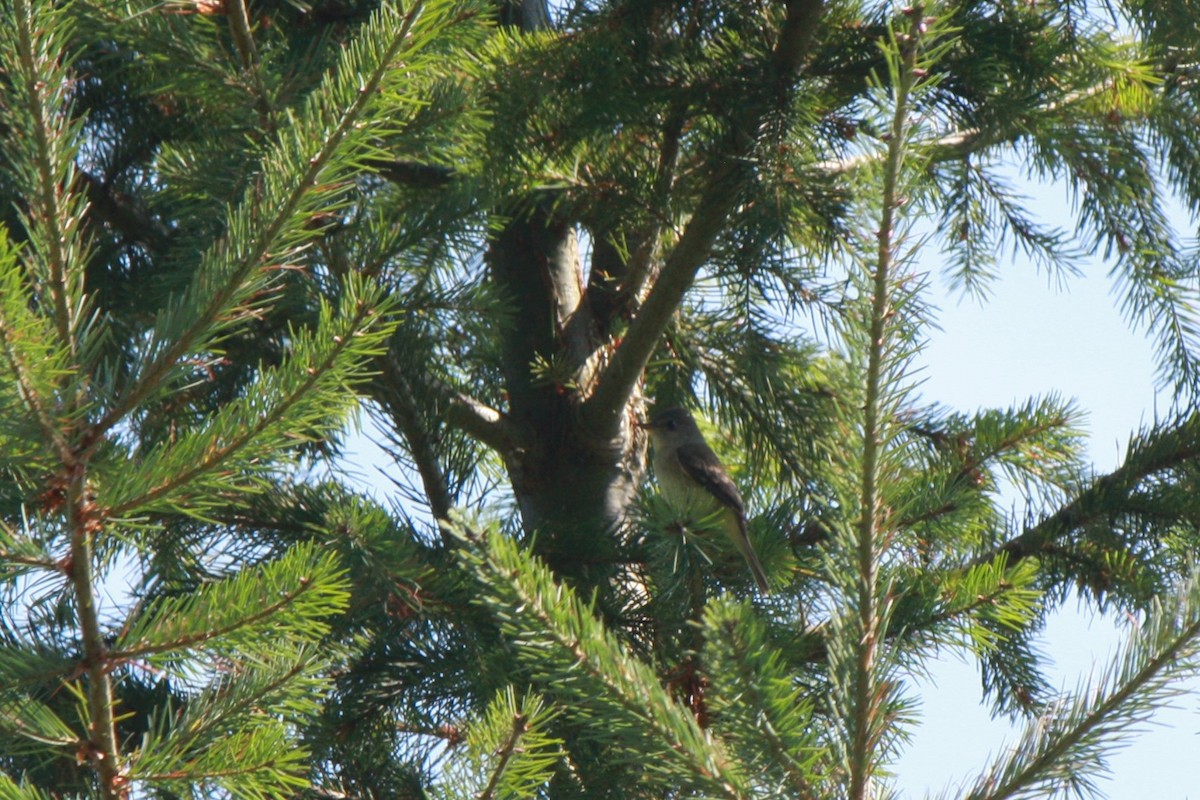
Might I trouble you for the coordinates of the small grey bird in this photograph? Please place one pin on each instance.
(693, 479)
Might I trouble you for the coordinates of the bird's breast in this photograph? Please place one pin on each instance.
(677, 487)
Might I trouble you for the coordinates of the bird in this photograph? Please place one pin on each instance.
(692, 478)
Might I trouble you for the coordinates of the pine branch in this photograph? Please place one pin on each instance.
(243, 37)
(1060, 749)
(866, 700)
(11, 790)
(986, 593)
(104, 747)
(947, 147)
(305, 586)
(41, 140)
(43, 84)
(1161, 453)
(504, 754)
(756, 701)
(397, 397)
(992, 592)
(509, 745)
(961, 144)
(394, 392)
(222, 736)
(576, 660)
(33, 358)
(484, 423)
(45, 138)
(20, 559)
(638, 270)
(728, 172)
(261, 653)
(26, 719)
(237, 272)
(291, 390)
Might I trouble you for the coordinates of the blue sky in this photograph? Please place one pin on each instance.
(1029, 339)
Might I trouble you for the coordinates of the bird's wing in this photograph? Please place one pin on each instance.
(702, 466)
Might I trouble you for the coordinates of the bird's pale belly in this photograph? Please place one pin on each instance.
(681, 492)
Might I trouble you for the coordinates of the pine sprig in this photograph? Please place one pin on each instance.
(220, 737)
(30, 725)
(978, 196)
(247, 613)
(510, 753)
(991, 601)
(574, 661)
(304, 398)
(880, 334)
(260, 764)
(1036, 445)
(300, 185)
(1064, 749)
(1127, 509)
(1097, 137)
(42, 305)
(24, 664)
(34, 363)
(959, 464)
(42, 141)
(11, 790)
(757, 704)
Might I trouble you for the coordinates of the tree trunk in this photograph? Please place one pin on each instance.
(573, 486)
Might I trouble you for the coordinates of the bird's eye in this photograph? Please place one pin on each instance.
(670, 424)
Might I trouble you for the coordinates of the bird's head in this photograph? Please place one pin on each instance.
(673, 425)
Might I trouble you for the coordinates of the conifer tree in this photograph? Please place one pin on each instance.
(505, 231)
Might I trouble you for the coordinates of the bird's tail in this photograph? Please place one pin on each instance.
(756, 570)
(747, 550)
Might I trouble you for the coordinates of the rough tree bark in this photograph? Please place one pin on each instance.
(573, 484)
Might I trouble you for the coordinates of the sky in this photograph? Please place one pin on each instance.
(1029, 339)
